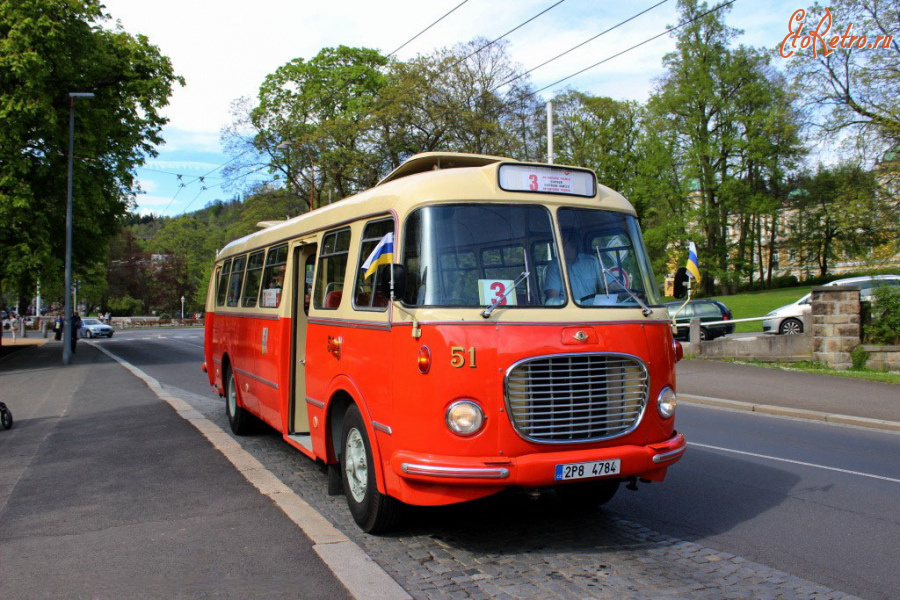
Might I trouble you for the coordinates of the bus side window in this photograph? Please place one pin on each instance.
(253, 278)
(309, 270)
(332, 269)
(236, 281)
(223, 283)
(375, 248)
(273, 277)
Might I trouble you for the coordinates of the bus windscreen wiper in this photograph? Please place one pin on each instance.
(646, 311)
(487, 312)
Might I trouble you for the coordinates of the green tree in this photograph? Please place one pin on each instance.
(836, 213)
(852, 88)
(733, 135)
(49, 48)
(600, 133)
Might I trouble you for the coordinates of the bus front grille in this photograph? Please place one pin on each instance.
(566, 398)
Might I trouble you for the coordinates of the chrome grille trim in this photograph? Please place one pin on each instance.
(576, 397)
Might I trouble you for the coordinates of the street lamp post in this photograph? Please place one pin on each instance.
(67, 331)
(182, 308)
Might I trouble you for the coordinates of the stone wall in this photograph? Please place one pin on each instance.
(835, 324)
(884, 358)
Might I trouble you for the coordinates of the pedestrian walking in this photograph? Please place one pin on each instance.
(58, 325)
(76, 326)
(14, 324)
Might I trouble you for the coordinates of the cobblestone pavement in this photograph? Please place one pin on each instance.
(522, 544)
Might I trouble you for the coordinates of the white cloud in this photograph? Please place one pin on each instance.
(147, 185)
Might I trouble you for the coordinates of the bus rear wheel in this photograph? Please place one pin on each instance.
(373, 511)
(238, 418)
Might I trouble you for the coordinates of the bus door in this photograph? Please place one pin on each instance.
(304, 262)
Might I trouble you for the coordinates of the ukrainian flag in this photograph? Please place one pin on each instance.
(693, 266)
(382, 254)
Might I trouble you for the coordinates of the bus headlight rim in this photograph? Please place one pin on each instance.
(464, 417)
(666, 402)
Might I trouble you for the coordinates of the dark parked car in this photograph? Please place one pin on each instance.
(708, 311)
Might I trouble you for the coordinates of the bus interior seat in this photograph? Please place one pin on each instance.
(333, 299)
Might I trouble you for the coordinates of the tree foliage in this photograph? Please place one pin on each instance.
(49, 48)
(855, 87)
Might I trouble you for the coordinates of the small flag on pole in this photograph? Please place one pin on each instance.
(382, 254)
(693, 267)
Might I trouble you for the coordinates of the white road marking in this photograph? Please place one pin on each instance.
(362, 576)
(794, 462)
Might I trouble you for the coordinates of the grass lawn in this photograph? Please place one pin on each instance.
(757, 304)
(811, 367)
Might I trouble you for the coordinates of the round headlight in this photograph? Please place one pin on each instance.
(666, 403)
(464, 417)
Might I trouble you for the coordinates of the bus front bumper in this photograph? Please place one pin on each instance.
(538, 469)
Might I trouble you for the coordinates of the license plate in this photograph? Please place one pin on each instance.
(599, 468)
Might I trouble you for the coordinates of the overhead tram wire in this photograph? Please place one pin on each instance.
(410, 40)
(667, 31)
(495, 40)
(207, 188)
(388, 103)
(573, 48)
(200, 178)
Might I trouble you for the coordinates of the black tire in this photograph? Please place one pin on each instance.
(704, 335)
(110, 335)
(238, 418)
(791, 327)
(588, 494)
(373, 511)
(90, 333)
(6, 418)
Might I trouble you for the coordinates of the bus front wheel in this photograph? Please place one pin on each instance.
(373, 511)
(238, 418)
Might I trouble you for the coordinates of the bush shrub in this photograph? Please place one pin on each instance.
(859, 357)
(884, 326)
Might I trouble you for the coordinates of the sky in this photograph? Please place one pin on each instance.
(225, 48)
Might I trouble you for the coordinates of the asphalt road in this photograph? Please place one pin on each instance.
(819, 502)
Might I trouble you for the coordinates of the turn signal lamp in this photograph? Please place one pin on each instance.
(679, 350)
(424, 360)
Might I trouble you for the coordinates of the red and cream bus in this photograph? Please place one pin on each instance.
(468, 324)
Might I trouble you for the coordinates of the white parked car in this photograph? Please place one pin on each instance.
(92, 328)
(793, 318)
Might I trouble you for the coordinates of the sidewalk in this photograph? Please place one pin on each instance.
(106, 492)
(790, 393)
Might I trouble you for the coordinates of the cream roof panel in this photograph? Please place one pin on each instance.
(402, 191)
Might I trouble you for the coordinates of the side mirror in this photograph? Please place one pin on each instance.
(681, 280)
(385, 274)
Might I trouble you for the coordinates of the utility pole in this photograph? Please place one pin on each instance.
(67, 331)
(550, 132)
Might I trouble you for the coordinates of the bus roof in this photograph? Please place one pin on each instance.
(424, 178)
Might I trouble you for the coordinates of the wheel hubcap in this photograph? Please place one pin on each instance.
(232, 397)
(355, 465)
(791, 328)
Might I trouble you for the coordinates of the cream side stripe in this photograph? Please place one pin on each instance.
(356, 571)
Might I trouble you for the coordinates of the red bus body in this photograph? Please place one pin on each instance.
(403, 369)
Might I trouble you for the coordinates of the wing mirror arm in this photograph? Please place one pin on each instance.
(391, 281)
(682, 290)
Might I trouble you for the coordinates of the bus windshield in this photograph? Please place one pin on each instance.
(605, 258)
(477, 254)
(471, 254)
